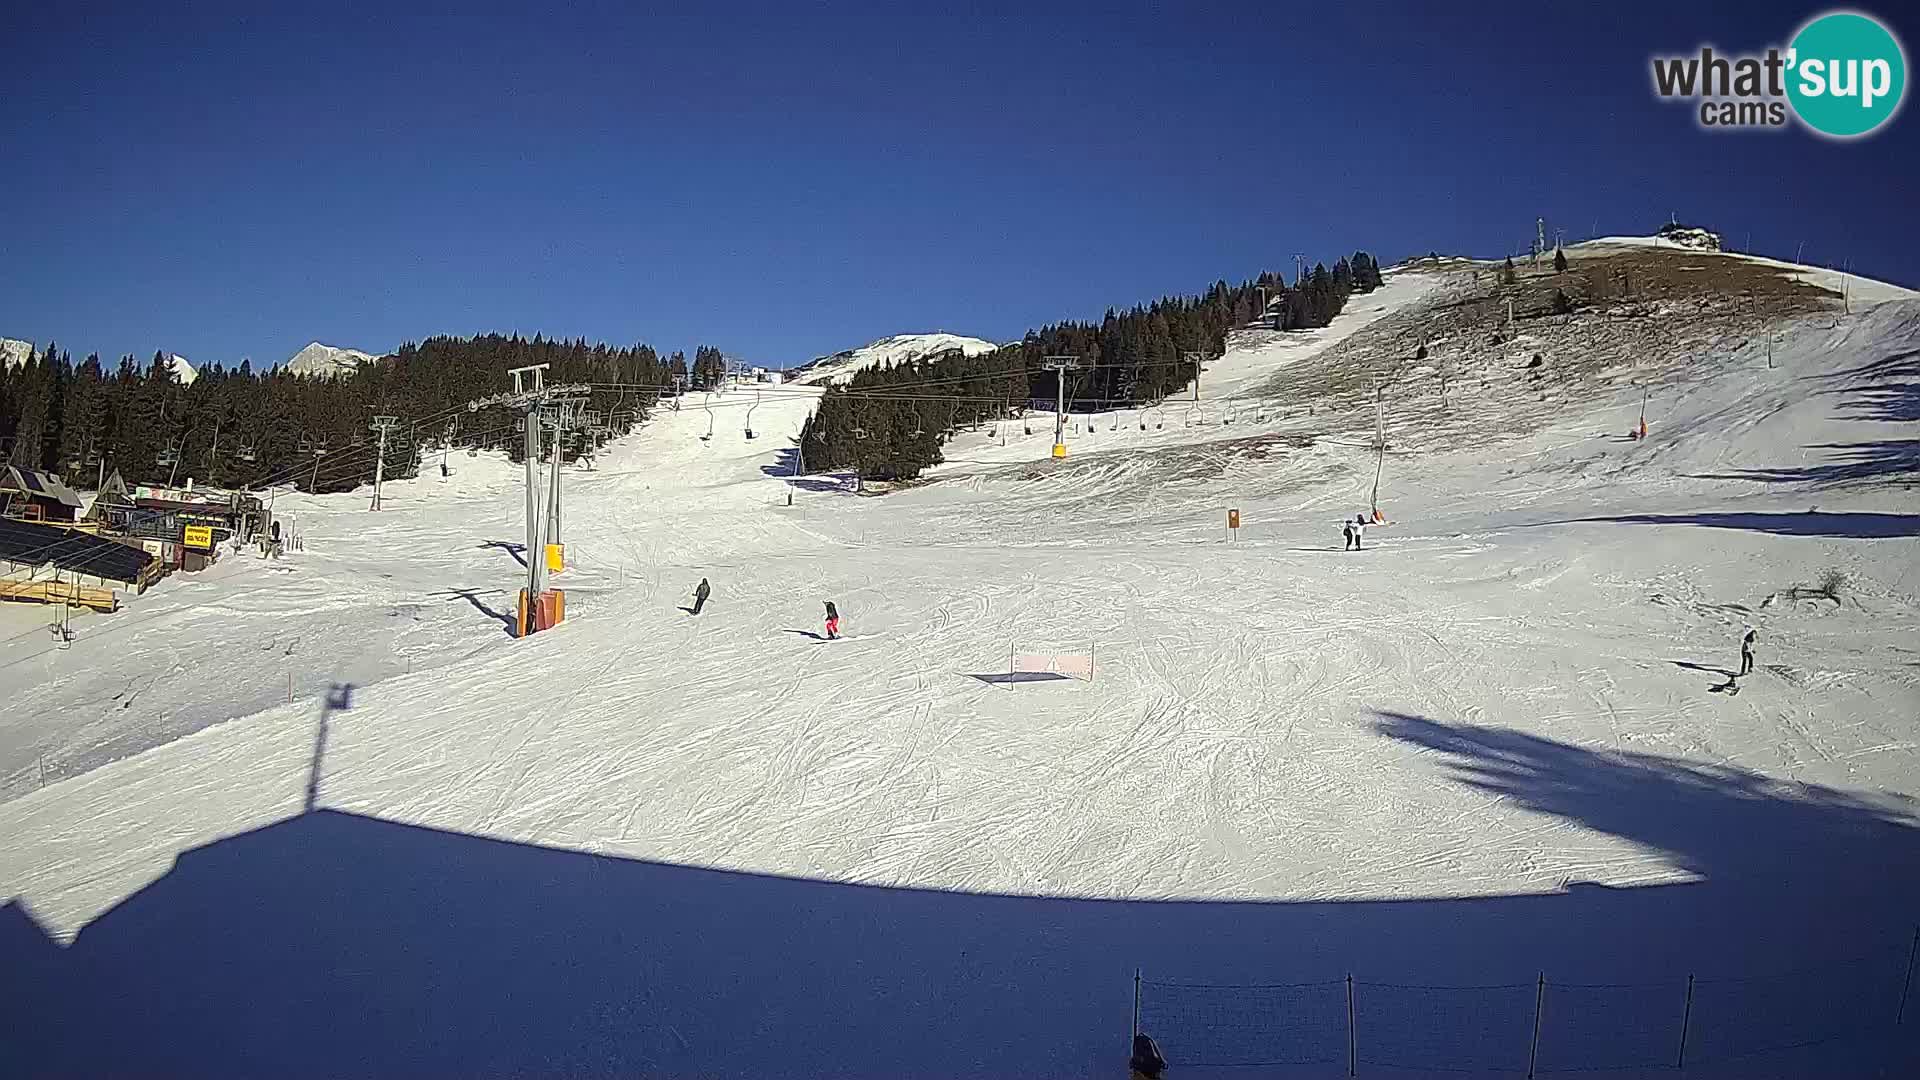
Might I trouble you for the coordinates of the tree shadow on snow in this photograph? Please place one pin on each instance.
(333, 943)
(1845, 463)
(1886, 390)
(1811, 523)
(784, 463)
(1883, 391)
(783, 466)
(1719, 821)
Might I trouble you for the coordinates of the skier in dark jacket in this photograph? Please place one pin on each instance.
(833, 621)
(1352, 530)
(700, 595)
(1746, 653)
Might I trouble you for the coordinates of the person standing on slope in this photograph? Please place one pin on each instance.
(1353, 531)
(1746, 653)
(833, 621)
(700, 596)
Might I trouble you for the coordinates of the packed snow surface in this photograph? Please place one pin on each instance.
(841, 367)
(1488, 744)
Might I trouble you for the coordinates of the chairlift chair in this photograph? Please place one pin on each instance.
(246, 452)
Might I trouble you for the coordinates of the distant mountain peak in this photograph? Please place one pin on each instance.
(841, 367)
(327, 361)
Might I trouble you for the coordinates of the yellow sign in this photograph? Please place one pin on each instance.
(198, 536)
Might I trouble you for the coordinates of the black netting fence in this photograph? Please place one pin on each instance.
(1538, 1028)
(1286, 1024)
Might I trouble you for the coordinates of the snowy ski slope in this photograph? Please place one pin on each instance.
(841, 367)
(1472, 750)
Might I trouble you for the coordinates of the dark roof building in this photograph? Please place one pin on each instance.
(23, 543)
(31, 495)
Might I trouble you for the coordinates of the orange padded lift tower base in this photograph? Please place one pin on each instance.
(542, 612)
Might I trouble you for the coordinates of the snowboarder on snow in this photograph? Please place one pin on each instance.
(700, 596)
(833, 621)
(1746, 653)
(1353, 530)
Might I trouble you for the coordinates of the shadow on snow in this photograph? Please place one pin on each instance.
(518, 551)
(1005, 678)
(333, 943)
(1811, 523)
(1884, 391)
(507, 621)
(783, 466)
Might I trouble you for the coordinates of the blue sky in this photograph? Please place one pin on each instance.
(804, 178)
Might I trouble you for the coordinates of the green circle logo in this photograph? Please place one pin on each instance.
(1847, 74)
